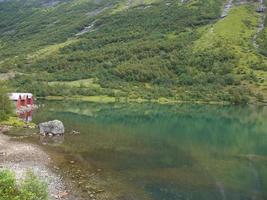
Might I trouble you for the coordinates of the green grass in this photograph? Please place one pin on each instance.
(49, 50)
(237, 29)
(16, 122)
(87, 83)
(102, 99)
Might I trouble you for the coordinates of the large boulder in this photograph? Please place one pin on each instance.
(55, 127)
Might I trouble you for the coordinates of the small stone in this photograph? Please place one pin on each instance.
(91, 175)
(55, 196)
(75, 132)
(91, 195)
(63, 194)
(72, 162)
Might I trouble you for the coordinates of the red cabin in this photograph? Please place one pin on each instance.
(22, 99)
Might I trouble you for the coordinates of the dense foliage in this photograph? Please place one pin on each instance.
(145, 50)
(31, 187)
(5, 104)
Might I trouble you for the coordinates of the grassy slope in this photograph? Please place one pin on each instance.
(30, 25)
(136, 51)
(237, 30)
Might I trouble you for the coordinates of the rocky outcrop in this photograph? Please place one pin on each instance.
(87, 29)
(55, 127)
(226, 8)
(261, 24)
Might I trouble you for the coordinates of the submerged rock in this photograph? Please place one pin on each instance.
(75, 132)
(55, 127)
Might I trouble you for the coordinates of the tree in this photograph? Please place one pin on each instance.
(5, 104)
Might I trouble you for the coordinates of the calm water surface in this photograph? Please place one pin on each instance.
(163, 152)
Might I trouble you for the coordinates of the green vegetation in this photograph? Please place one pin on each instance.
(5, 105)
(17, 122)
(150, 50)
(31, 188)
(262, 40)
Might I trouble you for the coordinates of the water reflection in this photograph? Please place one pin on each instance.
(26, 115)
(53, 140)
(170, 152)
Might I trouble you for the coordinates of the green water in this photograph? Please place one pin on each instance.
(164, 152)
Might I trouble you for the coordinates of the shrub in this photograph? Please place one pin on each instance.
(238, 95)
(8, 189)
(259, 97)
(31, 188)
(5, 104)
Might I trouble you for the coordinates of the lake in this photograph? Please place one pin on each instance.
(162, 152)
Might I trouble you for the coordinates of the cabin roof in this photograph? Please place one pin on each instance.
(15, 95)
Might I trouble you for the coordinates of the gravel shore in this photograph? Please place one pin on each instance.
(21, 157)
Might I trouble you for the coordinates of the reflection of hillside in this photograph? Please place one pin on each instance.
(219, 125)
(208, 148)
(84, 112)
(135, 112)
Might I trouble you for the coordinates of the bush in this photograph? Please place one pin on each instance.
(8, 190)
(259, 97)
(5, 104)
(238, 96)
(31, 188)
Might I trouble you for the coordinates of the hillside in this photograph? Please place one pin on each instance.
(130, 49)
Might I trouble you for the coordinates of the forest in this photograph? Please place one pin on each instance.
(148, 50)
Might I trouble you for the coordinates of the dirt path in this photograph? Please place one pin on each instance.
(21, 157)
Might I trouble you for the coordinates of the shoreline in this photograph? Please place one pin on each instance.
(61, 171)
(20, 157)
(163, 100)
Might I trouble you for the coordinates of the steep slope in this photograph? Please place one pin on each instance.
(153, 49)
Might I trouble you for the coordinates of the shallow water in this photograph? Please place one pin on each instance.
(164, 152)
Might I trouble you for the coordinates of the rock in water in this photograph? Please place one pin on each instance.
(55, 127)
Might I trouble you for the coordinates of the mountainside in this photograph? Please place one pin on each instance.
(194, 50)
